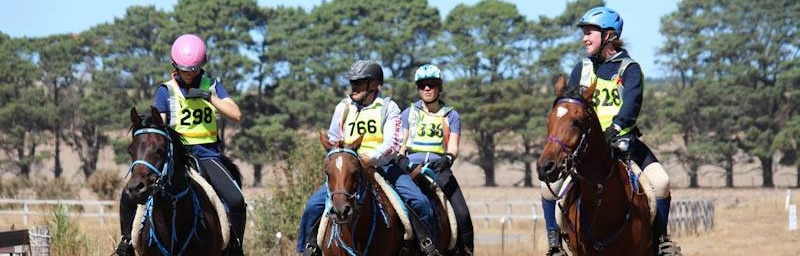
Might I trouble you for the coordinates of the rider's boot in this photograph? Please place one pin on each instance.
(468, 244)
(236, 243)
(124, 248)
(426, 243)
(311, 248)
(127, 211)
(553, 231)
(664, 245)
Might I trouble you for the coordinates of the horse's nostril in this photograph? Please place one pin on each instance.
(346, 211)
(548, 167)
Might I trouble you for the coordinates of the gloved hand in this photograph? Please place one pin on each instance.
(402, 161)
(610, 133)
(195, 93)
(443, 163)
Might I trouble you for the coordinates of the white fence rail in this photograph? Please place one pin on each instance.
(687, 216)
(31, 207)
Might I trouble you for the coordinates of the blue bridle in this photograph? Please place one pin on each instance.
(358, 198)
(165, 173)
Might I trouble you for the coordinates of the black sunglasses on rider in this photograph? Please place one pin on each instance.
(358, 82)
(432, 85)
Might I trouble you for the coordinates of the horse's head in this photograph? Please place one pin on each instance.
(153, 150)
(347, 184)
(569, 129)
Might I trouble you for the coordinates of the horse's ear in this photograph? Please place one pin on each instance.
(135, 118)
(561, 83)
(588, 92)
(155, 117)
(355, 144)
(323, 138)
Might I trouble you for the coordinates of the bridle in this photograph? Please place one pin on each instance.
(167, 169)
(574, 156)
(163, 182)
(571, 163)
(356, 199)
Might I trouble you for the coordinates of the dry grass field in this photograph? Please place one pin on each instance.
(748, 221)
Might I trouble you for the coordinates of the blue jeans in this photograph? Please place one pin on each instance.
(406, 187)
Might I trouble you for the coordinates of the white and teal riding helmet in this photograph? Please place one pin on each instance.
(428, 71)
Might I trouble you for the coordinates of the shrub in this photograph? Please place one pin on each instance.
(57, 188)
(105, 183)
(66, 236)
(282, 212)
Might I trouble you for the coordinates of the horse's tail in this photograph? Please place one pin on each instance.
(233, 169)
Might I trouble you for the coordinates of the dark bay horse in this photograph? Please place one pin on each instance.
(362, 220)
(603, 213)
(438, 200)
(178, 220)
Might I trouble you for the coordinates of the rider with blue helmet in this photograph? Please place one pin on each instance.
(619, 84)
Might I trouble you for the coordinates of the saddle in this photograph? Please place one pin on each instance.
(206, 190)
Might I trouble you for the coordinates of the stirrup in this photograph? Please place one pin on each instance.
(428, 248)
(311, 249)
(556, 251)
(124, 248)
(667, 247)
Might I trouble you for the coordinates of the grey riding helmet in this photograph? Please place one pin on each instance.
(366, 69)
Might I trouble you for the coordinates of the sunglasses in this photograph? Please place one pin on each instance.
(187, 69)
(432, 85)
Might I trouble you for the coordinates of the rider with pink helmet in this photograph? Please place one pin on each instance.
(190, 102)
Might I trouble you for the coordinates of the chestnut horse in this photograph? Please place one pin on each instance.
(605, 212)
(178, 220)
(362, 219)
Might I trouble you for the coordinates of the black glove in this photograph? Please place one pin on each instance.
(443, 163)
(195, 93)
(402, 162)
(610, 133)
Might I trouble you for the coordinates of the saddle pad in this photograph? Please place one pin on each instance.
(138, 221)
(394, 200)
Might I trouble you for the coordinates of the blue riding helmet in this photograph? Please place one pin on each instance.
(603, 17)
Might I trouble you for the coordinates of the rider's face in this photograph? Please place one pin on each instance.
(188, 76)
(591, 39)
(360, 89)
(428, 90)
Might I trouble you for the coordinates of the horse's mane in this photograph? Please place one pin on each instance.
(180, 153)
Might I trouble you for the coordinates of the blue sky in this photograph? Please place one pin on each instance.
(36, 18)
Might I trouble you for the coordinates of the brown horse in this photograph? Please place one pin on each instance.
(603, 215)
(178, 220)
(362, 220)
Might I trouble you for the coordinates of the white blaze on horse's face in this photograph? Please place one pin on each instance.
(339, 163)
(561, 111)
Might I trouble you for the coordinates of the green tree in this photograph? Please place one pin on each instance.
(485, 47)
(736, 45)
(59, 56)
(25, 112)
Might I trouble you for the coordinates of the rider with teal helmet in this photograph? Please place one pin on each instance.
(431, 135)
(619, 86)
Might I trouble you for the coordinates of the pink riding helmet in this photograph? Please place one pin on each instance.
(188, 52)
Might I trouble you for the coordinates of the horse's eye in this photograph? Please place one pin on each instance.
(580, 124)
